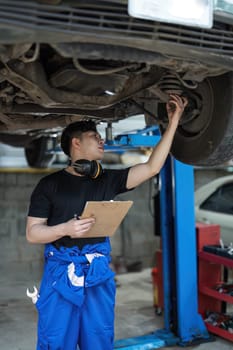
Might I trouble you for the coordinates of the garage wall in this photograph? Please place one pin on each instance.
(203, 176)
(18, 258)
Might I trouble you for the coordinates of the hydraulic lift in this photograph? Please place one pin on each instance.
(182, 323)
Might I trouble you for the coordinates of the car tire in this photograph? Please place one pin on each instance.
(206, 140)
(36, 153)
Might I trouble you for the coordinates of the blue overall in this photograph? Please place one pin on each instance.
(76, 300)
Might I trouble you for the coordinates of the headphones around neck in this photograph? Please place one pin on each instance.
(92, 169)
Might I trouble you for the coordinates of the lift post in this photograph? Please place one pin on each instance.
(180, 254)
(182, 323)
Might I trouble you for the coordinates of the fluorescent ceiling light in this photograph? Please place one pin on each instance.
(198, 13)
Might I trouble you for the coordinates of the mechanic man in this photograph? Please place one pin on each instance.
(77, 293)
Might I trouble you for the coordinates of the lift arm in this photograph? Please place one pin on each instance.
(147, 137)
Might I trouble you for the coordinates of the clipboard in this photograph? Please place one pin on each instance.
(108, 215)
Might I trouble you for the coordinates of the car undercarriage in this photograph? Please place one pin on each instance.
(62, 61)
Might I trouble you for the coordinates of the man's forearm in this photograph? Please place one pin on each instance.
(41, 233)
(143, 171)
(38, 231)
(162, 149)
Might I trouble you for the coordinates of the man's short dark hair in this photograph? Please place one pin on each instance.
(75, 130)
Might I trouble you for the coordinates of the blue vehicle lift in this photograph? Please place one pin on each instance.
(182, 324)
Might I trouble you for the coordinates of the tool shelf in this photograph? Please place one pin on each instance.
(215, 294)
(211, 273)
(219, 331)
(213, 264)
(216, 259)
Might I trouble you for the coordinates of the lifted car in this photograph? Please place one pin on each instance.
(62, 61)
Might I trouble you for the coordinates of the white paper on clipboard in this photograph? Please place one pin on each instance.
(108, 216)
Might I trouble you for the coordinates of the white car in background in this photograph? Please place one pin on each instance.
(214, 205)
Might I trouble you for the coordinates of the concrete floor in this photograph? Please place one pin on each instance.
(134, 313)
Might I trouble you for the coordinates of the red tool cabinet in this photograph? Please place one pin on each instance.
(210, 273)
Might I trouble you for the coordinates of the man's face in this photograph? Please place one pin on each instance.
(91, 146)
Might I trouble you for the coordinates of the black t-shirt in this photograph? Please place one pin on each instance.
(61, 195)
